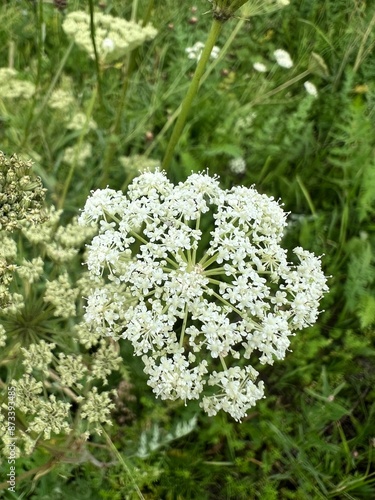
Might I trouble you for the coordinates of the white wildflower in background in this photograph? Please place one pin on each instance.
(80, 121)
(21, 193)
(244, 123)
(60, 245)
(51, 417)
(198, 315)
(71, 369)
(11, 87)
(7, 74)
(237, 165)
(311, 89)
(105, 361)
(96, 408)
(114, 36)
(196, 50)
(108, 45)
(38, 356)
(260, 67)
(283, 58)
(62, 100)
(215, 52)
(77, 154)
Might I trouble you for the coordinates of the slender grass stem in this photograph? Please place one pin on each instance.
(33, 118)
(123, 463)
(96, 55)
(285, 85)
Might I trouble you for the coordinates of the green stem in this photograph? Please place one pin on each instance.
(148, 14)
(133, 16)
(206, 261)
(184, 327)
(217, 271)
(197, 224)
(78, 148)
(97, 63)
(40, 48)
(223, 364)
(192, 91)
(122, 462)
(116, 128)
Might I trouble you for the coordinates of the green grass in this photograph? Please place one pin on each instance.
(313, 436)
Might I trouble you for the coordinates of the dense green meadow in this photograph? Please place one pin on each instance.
(87, 424)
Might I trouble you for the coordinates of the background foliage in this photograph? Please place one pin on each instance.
(313, 436)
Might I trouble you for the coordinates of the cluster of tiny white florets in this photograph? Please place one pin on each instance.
(80, 122)
(78, 154)
(11, 87)
(114, 37)
(62, 100)
(237, 165)
(62, 296)
(3, 336)
(283, 58)
(38, 356)
(61, 245)
(196, 301)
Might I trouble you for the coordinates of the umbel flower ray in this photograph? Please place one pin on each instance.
(198, 317)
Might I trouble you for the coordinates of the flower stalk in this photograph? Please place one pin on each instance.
(192, 91)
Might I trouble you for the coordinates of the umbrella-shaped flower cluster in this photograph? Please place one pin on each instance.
(203, 287)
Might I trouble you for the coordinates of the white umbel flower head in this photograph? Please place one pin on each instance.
(108, 45)
(114, 36)
(283, 58)
(311, 89)
(260, 67)
(237, 165)
(198, 312)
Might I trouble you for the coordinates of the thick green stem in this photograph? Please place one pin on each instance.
(207, 73)
(97, 63)
(192, 91)
(78, 148)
